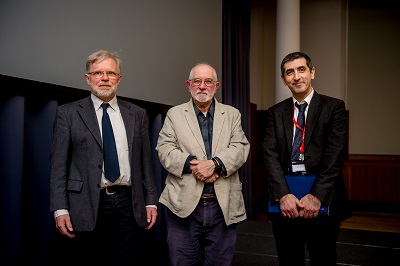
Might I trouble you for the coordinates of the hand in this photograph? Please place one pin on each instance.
(151, 213)
(64, 225)
(212, 178)
(311, 208)
(202, 169)
(289, 205)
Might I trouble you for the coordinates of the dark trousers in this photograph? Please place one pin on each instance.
(116, 240)
(319, 235)
(203, 237)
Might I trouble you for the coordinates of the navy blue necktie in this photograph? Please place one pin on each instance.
(111, 165)
(298, 137)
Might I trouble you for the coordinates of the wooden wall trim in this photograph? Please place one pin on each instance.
(373, 178)
(364, 157)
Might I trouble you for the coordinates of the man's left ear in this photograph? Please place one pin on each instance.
(312, 72)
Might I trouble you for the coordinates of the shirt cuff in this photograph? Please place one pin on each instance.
(60, 212)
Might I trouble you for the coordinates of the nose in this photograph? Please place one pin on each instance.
(202, 85)
(104, 76)
(296, 74)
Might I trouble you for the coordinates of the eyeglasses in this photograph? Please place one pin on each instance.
(207, 82)
(99, 74)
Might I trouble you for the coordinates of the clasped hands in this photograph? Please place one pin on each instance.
(203, 170)
(306, 207)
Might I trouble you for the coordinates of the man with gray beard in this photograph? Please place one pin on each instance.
(202, 146)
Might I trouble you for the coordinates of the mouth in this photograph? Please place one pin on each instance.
(298, 84)
(104, 85)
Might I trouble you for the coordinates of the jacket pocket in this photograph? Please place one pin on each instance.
(74, 185)
(236, 202)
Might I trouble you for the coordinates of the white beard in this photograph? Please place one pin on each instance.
(203, 98)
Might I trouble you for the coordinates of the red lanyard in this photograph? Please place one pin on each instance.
(303, 130)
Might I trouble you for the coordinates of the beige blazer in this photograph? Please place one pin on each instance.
(180, 137)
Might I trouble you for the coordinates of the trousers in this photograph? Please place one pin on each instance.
(202, 237)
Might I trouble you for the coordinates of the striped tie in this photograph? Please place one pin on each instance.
(298, 140)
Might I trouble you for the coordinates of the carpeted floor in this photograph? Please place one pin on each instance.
(255, 246)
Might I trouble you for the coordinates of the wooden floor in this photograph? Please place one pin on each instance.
(379, 222)
(373, 222)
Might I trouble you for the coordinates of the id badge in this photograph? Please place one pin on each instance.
(298, 166)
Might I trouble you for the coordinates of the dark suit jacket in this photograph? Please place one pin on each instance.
(325, 150)
(77, 159)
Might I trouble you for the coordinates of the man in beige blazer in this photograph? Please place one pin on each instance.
(202, 146)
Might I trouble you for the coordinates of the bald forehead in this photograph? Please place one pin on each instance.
(203, 70)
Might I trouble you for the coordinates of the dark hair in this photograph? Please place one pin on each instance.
(293, 56)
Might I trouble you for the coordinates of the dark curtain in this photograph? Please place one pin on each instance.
(11, 171)
(27, 227)
(235, 74)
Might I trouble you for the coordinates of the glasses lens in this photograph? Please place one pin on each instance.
(207, 82)
(109, 74)
(196, 82)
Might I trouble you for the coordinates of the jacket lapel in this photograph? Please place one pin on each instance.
(193, 124)
(287, 121)
(312, 115)
(219, 121)
(89, 118)
(129, 118)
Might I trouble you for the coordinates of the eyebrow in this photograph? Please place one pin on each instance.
(299, 67)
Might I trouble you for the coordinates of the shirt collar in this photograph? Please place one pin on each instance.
(210, 110)
(97, 102)
(307, 99)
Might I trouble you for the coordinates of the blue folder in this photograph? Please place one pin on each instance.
(299, 186)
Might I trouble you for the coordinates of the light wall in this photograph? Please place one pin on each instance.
(158, 41)
(353, 44)
(354, 47)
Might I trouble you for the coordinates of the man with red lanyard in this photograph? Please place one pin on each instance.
(306, 135)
